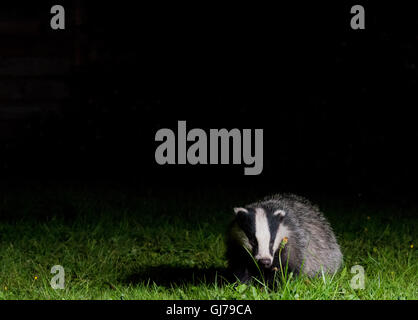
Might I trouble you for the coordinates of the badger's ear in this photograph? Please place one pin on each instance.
(282, 213)
(239, 209)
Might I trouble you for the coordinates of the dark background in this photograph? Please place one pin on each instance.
(337, 105)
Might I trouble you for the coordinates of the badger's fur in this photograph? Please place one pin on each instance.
(285, 224)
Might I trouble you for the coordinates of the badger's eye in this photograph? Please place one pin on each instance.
(252, 241)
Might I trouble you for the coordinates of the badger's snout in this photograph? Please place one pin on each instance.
(265, 262)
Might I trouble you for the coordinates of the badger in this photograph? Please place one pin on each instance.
(284, 232)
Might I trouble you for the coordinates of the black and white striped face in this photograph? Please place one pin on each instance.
(261, 232)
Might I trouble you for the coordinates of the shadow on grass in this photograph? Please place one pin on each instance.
(168, 276)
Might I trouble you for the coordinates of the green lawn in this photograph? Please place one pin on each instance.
(114, 245)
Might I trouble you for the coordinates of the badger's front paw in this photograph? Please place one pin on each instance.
(242, 276)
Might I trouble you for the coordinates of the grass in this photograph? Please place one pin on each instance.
(115, 245)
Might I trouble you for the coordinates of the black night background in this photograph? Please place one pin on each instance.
(80, 107)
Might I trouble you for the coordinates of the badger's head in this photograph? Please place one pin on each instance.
(261, 231)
